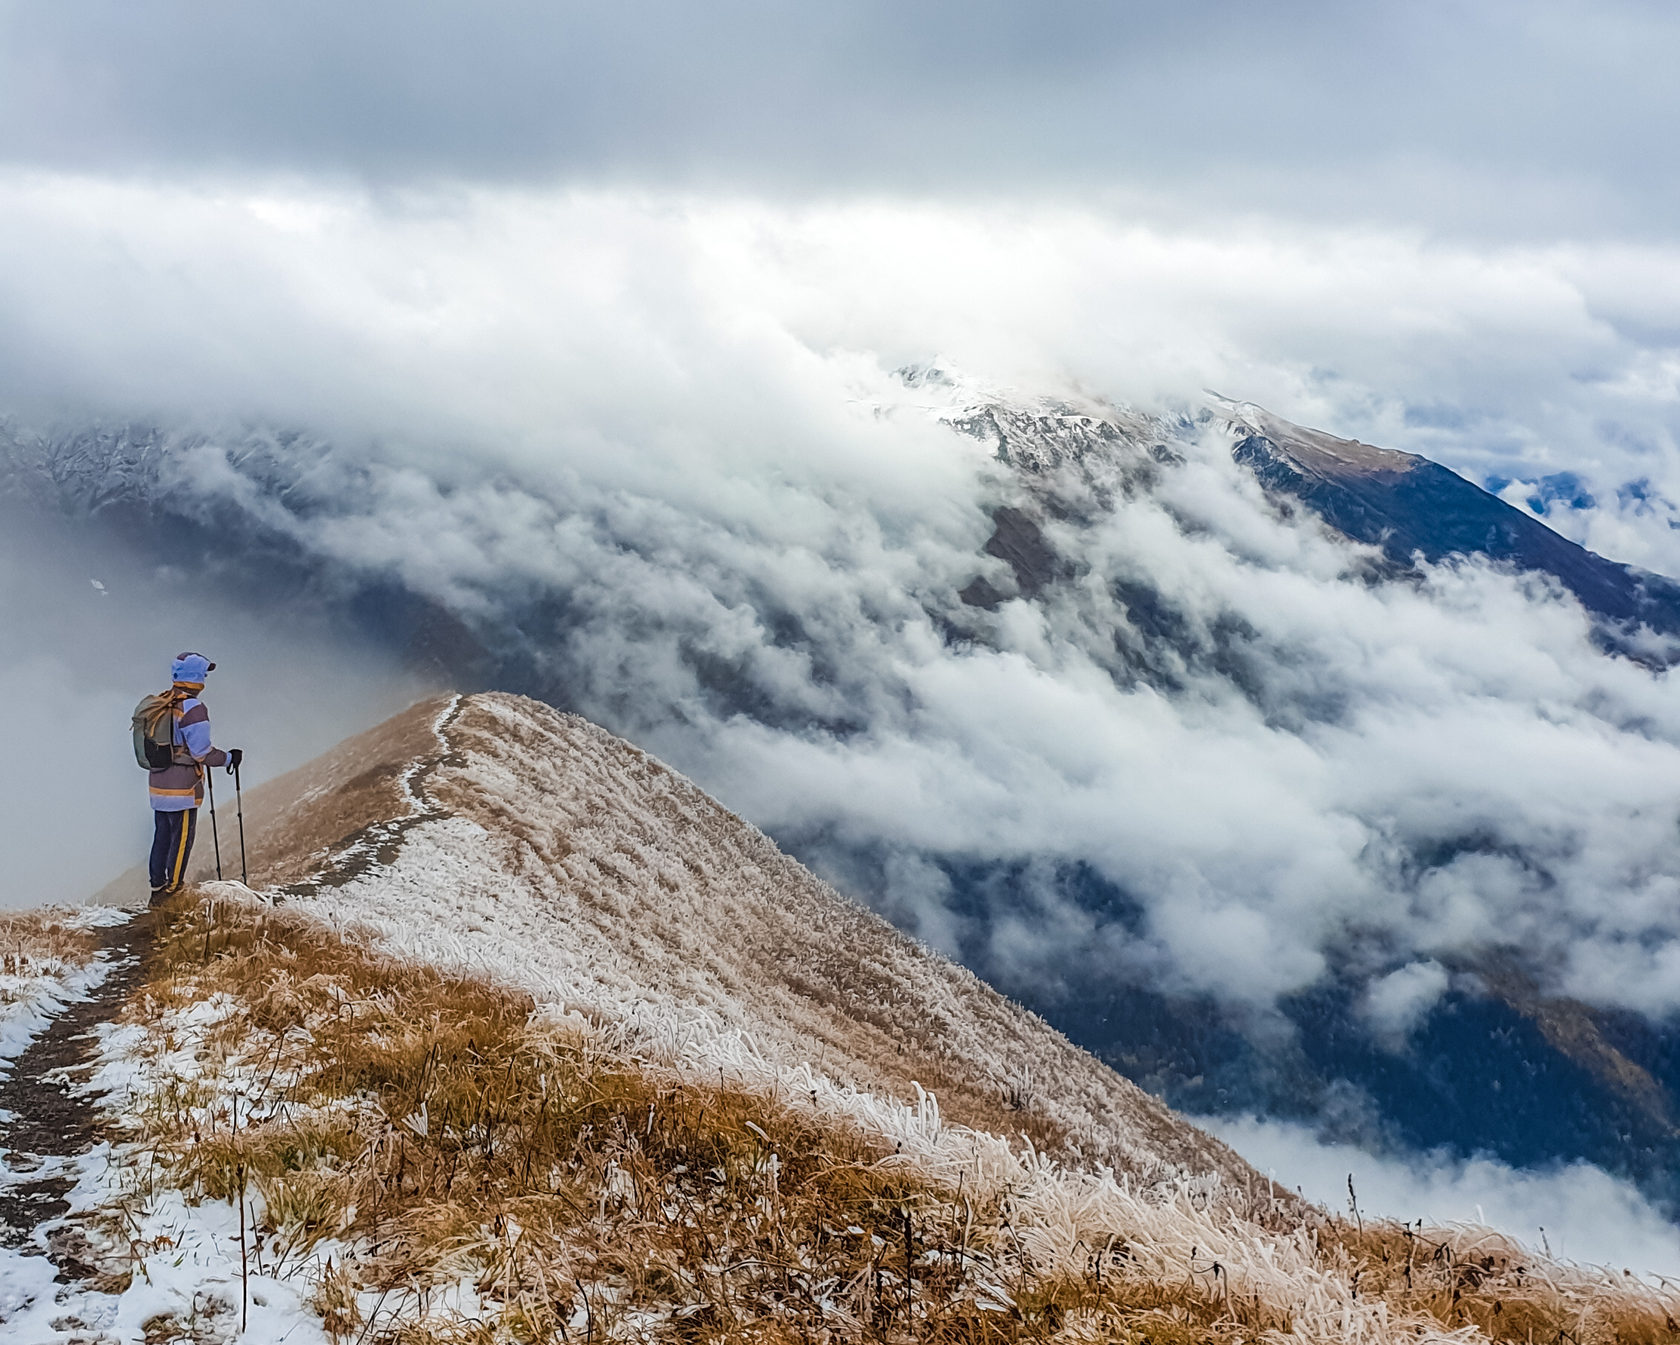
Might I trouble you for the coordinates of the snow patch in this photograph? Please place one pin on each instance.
(33, 996)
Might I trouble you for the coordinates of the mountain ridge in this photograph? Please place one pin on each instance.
(1410, 505)
(406, 1146)
(546, 819)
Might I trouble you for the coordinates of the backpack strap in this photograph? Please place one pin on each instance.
(178, 712)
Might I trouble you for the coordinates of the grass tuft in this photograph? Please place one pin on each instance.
(42, 942)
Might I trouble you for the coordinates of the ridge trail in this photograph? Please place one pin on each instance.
(377, 843)
(46, 1124)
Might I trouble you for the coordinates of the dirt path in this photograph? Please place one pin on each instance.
(379, 843)
(48, 1124)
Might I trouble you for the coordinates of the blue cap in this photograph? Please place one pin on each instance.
(190, 668)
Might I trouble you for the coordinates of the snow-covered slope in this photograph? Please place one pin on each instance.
(497, 834)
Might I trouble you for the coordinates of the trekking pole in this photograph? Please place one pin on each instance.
(239, 810)
(210, 777)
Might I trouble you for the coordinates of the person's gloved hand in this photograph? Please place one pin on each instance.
(235, 756)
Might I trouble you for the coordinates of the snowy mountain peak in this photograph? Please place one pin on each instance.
(1312, 451)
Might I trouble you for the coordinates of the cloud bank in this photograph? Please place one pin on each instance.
(537, 318)
(652, 450)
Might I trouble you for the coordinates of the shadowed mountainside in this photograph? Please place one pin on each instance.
(1408, 506)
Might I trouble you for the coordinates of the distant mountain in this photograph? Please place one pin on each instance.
(1406, 505)
(1410, 506)
(128, 488)
(1498, 1066)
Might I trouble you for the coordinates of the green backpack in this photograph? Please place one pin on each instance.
(154, 731)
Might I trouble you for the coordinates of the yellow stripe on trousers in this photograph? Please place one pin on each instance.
(181, 850)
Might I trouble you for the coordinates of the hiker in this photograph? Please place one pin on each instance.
(180, 738)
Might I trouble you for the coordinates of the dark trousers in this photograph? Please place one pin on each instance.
(172, 841)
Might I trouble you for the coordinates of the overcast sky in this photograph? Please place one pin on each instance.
(1505, 118)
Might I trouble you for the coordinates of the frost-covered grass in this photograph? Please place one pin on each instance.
(426, 1156)
(556, 857)
(44, 941)
(171, 1275)
(160, 1268)
(47, 957)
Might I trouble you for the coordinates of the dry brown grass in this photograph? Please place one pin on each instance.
(295, 821)
(651, 889)
(432, 1124)
(43, 942)
(1482, 1280)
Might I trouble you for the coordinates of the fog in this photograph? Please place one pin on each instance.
(86, 634)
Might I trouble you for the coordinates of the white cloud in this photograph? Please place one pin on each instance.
(533, 319)
(1578, 1211)
(1396, 1003)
